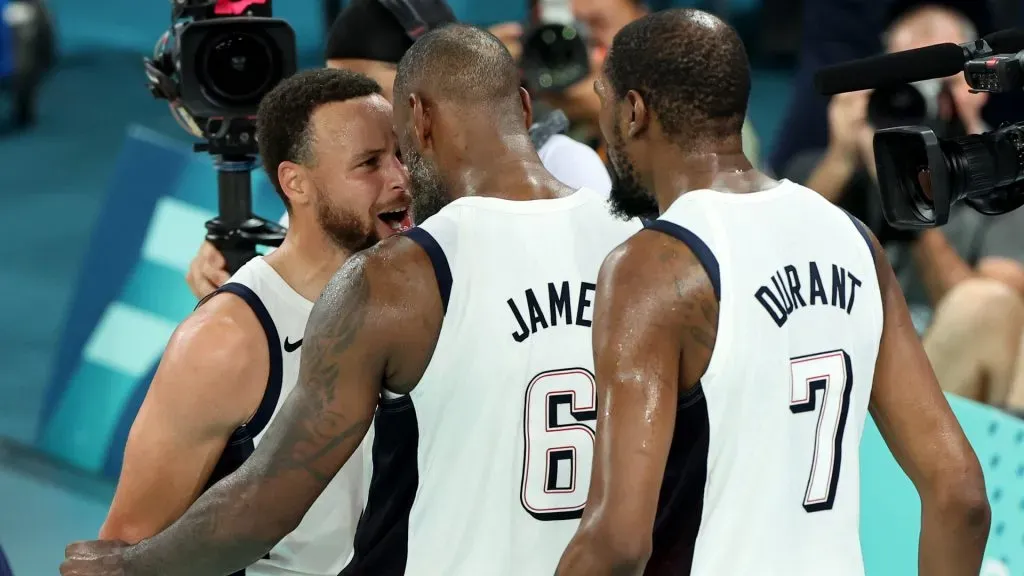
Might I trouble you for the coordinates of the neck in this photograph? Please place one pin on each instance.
(501, 164)
(307, 259)
(721, 166)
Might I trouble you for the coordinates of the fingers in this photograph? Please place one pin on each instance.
(206, 273)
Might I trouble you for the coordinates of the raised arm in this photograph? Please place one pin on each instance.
(210, 380)
(376, 322)
(921, 430)
(652, 302)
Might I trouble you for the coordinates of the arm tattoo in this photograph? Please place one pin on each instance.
(243, 516)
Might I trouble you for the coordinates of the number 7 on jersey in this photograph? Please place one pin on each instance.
(831, 373)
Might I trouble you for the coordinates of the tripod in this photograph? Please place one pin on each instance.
(236, 231)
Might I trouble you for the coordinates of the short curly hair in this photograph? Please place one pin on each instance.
(282, 123)
(691, 70)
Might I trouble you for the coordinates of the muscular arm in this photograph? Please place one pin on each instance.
(359, 336)
(647, 313)
(210, 381)
(919, 427)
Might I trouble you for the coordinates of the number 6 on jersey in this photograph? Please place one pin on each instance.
(558, 429)
(831, 373)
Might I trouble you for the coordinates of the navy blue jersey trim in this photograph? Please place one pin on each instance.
(381, 543)
(863, 234)
(437, 259)
(697, 246)
(272, 394)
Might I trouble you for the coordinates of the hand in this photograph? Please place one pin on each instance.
(94, 558)
(510, 34)
(968, 105)
(847, 121)
(207, 271)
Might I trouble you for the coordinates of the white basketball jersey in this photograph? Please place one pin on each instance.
(484, 468)
(322, 543)
(786, 392)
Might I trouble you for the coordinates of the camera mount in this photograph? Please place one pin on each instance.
(214, 65)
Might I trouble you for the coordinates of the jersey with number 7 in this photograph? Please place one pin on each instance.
(740, 341)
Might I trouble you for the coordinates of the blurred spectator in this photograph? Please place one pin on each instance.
(969, 273)
(601, 20)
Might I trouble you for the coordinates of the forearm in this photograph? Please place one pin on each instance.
(831, 176)
(953, 539)
(941, 268)
(224, 531)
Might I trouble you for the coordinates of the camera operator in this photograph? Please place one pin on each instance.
(327, 141)
(368, 39)
(963, 283)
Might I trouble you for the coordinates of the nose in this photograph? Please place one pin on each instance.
(398, 175)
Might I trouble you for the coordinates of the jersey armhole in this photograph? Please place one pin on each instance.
(272, 393)
(863, 234)
(438, 260)
(697, 246)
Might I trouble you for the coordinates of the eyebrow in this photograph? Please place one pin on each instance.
(367, 154)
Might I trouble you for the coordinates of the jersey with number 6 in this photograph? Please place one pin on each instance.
(484, 468)
(763, 472)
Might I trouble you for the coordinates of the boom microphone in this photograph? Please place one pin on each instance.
(889, 70)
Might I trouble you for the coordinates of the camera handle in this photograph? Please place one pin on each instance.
(236, 231)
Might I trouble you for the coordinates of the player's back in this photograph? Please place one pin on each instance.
(771, 449)
(484, 467)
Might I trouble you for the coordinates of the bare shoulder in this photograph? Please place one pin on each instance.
(394, 285)
(655, 282)
(218, 358)
(656, 265)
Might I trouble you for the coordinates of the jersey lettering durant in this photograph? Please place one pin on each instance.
(484, 468)
(763, 473)
(322, 543)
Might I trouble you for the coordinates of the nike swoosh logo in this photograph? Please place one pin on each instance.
(291, 347)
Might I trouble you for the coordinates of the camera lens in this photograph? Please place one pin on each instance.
(238, 68)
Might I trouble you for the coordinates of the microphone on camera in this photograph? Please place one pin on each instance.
(898, 68)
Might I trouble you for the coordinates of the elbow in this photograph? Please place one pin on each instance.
(961, 497)
(622, 552)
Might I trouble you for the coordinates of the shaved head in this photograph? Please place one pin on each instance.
(460, 63)
(456, 91)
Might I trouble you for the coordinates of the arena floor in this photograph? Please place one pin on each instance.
(47, 216)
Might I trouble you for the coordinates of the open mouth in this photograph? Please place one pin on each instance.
(397, 219)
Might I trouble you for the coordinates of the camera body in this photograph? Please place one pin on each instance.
(921, 175)
(215, 64)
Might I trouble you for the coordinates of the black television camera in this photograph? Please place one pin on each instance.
(921, 175)
(555, 54)
(214, 65)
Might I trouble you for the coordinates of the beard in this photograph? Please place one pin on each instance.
(429, 193)
(343, 226)
(629, 198)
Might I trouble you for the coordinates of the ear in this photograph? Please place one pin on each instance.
(527, 106)
(637, 115)
(292, 178)
(421, 121)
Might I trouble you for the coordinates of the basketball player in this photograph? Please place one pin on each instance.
(327, 142)
(367, 38)
(474, 327)
(740, 341)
